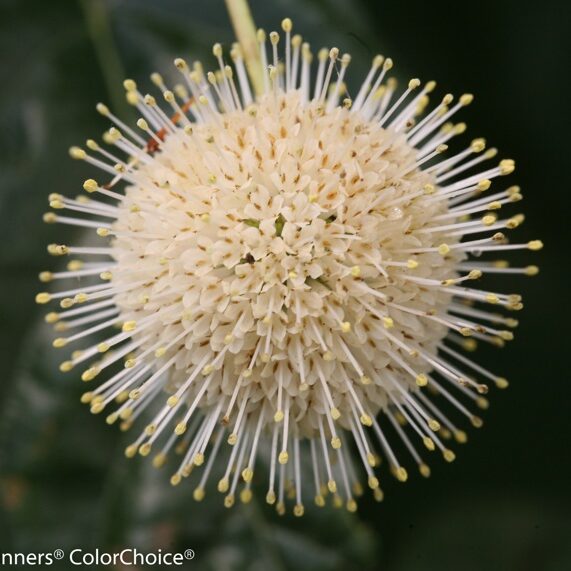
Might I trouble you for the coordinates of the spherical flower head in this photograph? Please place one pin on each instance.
(289, 269)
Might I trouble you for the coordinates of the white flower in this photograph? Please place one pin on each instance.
(285, 267)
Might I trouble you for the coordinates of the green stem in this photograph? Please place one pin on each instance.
(245, 30)
(99, 29)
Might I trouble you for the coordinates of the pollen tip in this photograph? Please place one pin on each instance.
(287, 25)
(129, 326)
(424, 470)
(466, 99)
(535, 245)
(77, 153)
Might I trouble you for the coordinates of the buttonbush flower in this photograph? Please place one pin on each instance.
(289, 277)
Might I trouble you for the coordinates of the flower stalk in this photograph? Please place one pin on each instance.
(245, 30)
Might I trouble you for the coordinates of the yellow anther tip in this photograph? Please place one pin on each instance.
(129, 326)
(223, 485)
(460, 436)
(478, 145)
(89, 374)
(80, 298)
(378, 61)
(97, 406)
(246, 496)
(66, 366)
(180, 63)
(466, 99)
(443, 249)
(180, 428)
(90, 185)
(298, 510)
(45, 277)
(51, 317)
(159, 460)
(102, 109)
(484, 185)
(366, 420)
(373, 482)
(488, 220)
(502, 383)
(448, 455)
(424, 470)
(49, 218)
(287, 25)
(57, 250)
(428, 443)
(208, 369)
(145, 449)
(535, 245)
(351, 505)
(355, 271)
(77, 153)
(43, 298)
(131, 450)
(319, 501)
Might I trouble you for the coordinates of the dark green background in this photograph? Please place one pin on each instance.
(503, 505)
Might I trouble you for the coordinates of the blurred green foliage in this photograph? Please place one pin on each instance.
(504, 505)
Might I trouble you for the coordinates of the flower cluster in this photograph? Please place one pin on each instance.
(283, 267)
